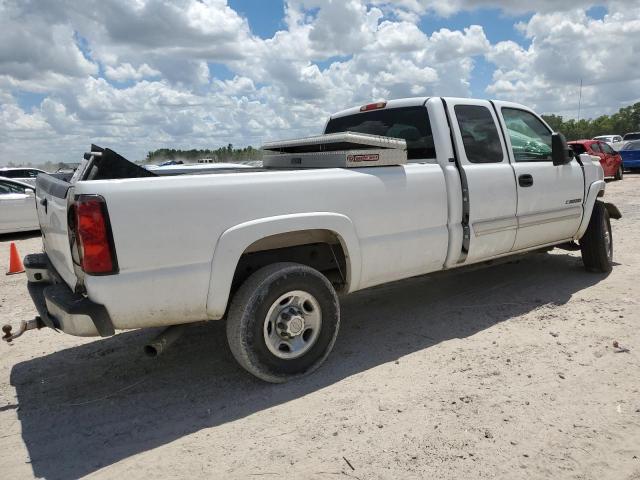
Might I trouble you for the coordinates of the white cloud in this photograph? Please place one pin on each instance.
(126, 71)
(449, 7)
(567, 48)
(135, 75)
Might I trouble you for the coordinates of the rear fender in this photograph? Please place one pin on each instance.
(234, 241)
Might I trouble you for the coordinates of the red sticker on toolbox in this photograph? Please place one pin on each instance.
(364, 158)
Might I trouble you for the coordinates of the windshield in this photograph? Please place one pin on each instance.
(7, 187)
(631, 136)
(631, 146)
(410, 123)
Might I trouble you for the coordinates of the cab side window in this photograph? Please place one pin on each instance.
(479, 134)
(595, 148)
(530, 138)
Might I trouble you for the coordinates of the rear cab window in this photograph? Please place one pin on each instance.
(479, 134)
(409, 123)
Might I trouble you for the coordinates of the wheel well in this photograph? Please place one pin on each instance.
(319, 249)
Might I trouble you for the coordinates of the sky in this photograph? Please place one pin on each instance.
(138, 75)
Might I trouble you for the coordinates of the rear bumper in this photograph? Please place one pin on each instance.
(59, 307)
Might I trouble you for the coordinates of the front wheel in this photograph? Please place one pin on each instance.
(619, 173)
(283, 322)
(597, 243)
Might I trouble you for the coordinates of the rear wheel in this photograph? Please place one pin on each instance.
(619, 173)
(283, 322)
(597, 243)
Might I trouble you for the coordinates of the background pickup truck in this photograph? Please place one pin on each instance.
(268, 248)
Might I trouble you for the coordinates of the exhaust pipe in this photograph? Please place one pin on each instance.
(164, 340)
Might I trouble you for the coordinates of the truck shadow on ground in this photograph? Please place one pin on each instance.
(87, 407)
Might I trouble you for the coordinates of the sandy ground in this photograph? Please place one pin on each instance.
(505, 372)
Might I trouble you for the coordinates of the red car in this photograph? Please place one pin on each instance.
(610, 160)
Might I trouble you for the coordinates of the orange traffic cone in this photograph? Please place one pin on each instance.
(15, 264)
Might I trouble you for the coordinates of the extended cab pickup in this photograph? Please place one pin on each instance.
(267, 249)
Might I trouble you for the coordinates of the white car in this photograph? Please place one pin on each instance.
(392, 190)
(17, 207)
(610, 139)
(24, 175)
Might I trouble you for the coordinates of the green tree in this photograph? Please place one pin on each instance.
(627, 119)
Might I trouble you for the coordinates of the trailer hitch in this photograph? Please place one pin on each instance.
(25, 325)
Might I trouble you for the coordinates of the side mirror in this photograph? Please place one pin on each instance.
(30, 192)
(560, 152)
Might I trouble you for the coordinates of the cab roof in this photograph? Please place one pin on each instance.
(416, 102)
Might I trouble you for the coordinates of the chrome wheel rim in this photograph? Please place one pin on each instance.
(608, 245)
(292, 324)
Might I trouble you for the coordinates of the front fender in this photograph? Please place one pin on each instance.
(234, 241)
(590, 200)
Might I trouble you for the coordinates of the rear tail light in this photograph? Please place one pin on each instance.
(95, 240)
(373, 106)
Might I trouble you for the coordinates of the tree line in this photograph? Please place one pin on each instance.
(626, 120)
(223, 154)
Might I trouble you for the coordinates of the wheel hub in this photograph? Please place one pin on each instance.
(291, 323)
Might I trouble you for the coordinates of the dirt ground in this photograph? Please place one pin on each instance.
(504, 372)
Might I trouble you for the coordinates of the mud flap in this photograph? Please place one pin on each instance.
(613, 211)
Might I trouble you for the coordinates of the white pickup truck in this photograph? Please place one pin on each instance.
(268, 249)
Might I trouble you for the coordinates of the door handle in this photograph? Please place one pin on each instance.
(525, 180)
(44, 203)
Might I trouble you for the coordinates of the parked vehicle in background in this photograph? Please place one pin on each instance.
(631, 136)
(25, 175)
(392, 190)
(610, 139)
(630, 153)
(17, 207)
(609, 159)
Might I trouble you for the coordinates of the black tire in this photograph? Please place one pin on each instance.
(597, 252)
(619, 173)
(246, 321)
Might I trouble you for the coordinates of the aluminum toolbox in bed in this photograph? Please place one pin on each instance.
(344, 149)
